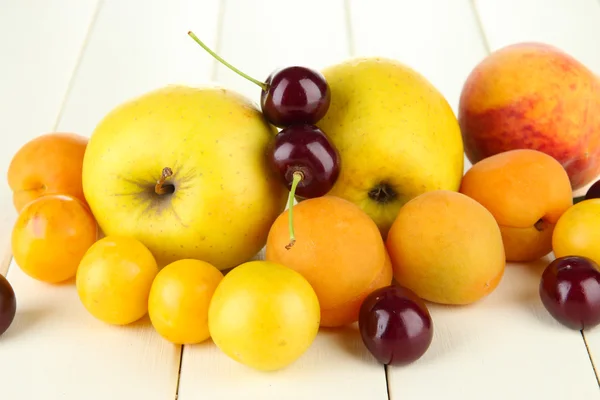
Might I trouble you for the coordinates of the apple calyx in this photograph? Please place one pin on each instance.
(262, 85)
(297, 177)
(383, 193)
(161, 188)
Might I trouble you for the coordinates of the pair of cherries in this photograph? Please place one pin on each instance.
(295, 99)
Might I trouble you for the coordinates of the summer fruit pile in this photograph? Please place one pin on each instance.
(159, 213)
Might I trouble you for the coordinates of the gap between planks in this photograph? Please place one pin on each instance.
(487, 47)
(590, 356)
(484, 39)
(213, 74)
(7, 259)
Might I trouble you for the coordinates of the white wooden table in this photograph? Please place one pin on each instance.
(65, 63)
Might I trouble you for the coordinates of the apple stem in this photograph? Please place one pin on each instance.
(159, 188)
(262, 85)
(298, 176)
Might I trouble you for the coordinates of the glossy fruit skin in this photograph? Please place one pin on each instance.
(594, 191)
(264, 315)
(8, 304)
(395, 325)
(51, 235)
(338, 249)
(179, 300)
(307, 149)
(295, 95)
(577, 232)
(570, 291)
(114, 279)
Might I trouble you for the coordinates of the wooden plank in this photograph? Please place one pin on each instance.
(573, 26)
(139, 46)
(569, 24)
(505, 346)
(311, 33)
(438, 39)
(34, 77)
(55, 349)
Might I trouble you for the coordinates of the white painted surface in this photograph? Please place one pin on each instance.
(503, 347)
(479, 344)
(137, 46)
(572, 25)
(40, 44)
(261, 36)
(335, 366)
(56, 350)
(506, 346)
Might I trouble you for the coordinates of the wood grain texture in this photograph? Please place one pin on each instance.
(336, 365)
(508, 337)
(40, 44)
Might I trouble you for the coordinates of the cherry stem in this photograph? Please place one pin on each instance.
(298, 176)
(160, 188)
(262, 85)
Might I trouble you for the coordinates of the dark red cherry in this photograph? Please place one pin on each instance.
(306, 150)
(308, 164)
(395, 325)
(570, 291)
(295, 95)
(290, 96)
(8, 304)
(594, 191)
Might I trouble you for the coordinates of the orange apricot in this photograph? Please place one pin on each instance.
(50, 237)
(446, 248)
(526, 191)
(338, 249)
(348, 312)
(49, 164)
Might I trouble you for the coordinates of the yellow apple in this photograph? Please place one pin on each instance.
(396, 134)
(185, 171)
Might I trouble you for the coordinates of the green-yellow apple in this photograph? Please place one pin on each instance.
(185, 171)
(396, 134)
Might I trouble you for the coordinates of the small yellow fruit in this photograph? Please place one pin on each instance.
(114, 279)
(577, 232)
(179, 300)
(264, 315)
